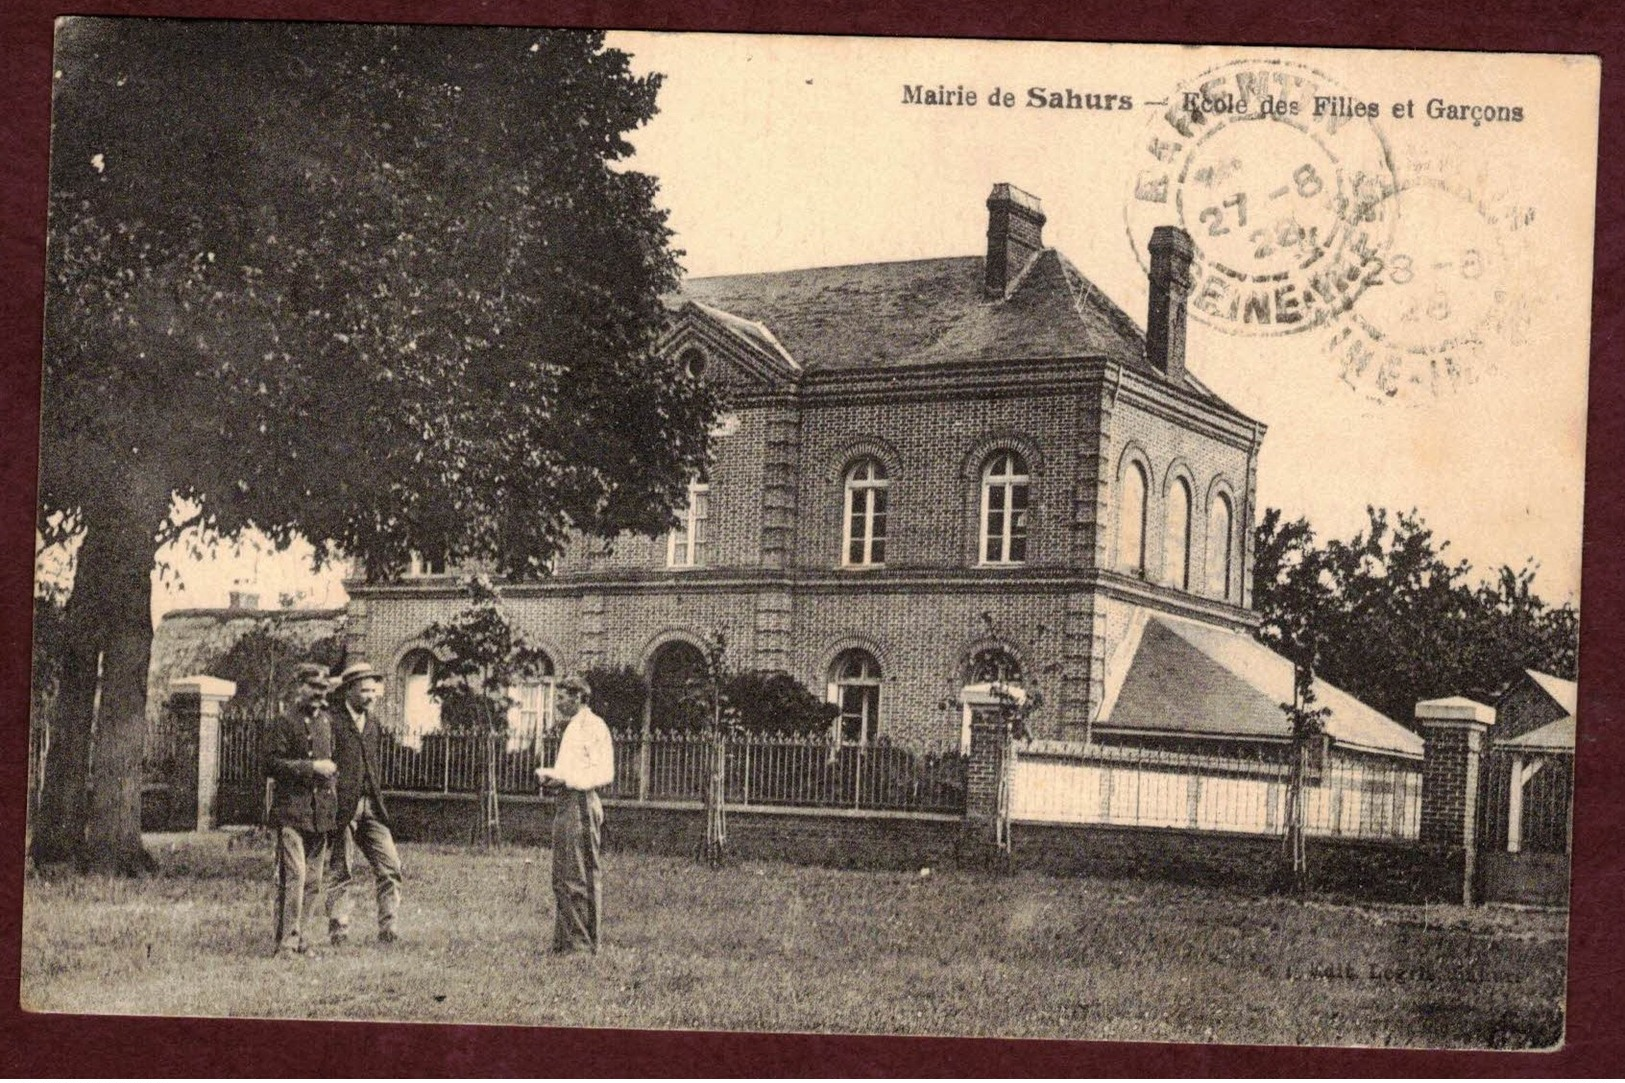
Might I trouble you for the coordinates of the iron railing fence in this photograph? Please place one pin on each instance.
(1535, 818)
(243, 727)
(761, 769)
(1345, 795)
(162, 743)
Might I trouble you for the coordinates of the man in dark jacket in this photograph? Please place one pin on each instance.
(299, 761)
(363, 820)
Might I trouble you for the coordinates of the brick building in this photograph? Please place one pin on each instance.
(931, 473)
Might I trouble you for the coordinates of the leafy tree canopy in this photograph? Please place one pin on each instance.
(381, 286)
(377, 284)
(618, 696)
(482, 657)
(1387, 617)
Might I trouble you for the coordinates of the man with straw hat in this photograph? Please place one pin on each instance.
(363, 819)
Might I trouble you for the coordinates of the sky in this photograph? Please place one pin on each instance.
(779, 152)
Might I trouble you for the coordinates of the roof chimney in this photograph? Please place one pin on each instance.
(1171, 254)
(1015, 233)
(241, 599)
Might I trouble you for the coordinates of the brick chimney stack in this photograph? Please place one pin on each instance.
(1015, 233)
(1171, 254)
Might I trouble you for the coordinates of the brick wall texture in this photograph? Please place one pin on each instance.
(773, 581)
(1243, 863)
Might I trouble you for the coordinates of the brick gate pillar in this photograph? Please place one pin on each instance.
(196, 702)
(989, 772)
(1453, 732)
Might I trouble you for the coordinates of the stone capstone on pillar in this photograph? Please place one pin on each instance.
(1453, 732)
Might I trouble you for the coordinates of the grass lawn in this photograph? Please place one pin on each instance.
(781, 948)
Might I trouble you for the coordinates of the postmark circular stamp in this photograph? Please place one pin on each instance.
(1280, 178)
(1443, 293)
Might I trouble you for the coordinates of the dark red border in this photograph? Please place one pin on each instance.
(102, 1046)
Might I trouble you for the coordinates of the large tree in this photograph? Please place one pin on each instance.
(384, 287)
(1387, 617)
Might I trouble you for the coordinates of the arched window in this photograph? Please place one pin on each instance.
(675, 673)
(854, 687)
(1004, 509)
(1221, 547)
(1131, 520)
(420, 712)
(531, 714)
(1176, 549)
(993, 665)
(863, 540)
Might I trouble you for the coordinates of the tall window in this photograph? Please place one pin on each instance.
(1176, 549)
(1004, 509)
(531, 714)
(420, 712)
(689, 544)
(1221, 547)
(1131, 520)
(864, 538)
(855, 688)
(676, 669)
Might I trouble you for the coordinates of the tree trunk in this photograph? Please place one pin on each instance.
(1294, 864)
(63, 811)
(714, 850)
(113, 832)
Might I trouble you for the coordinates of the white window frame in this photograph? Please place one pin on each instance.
(420, 712)
(1005, 486)
(421, 567)
(867, 483)
(683, 545)
(869, 714)
(533, 698)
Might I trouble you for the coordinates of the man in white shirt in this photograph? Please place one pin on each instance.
(586, 761)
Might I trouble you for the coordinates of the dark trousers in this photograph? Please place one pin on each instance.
(578, 821)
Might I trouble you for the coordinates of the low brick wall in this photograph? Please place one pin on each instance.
(1375, 871)
(832, 837)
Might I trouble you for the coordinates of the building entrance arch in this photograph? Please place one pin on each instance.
(676, 670)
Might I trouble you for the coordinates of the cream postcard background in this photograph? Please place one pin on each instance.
(777, 152)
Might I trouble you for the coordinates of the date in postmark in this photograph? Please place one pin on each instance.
(1280, 178)
(1443, 292)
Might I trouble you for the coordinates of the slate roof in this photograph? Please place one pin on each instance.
(1176, 677)
(1564, 693)
(924, 312)
(1555, 736)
